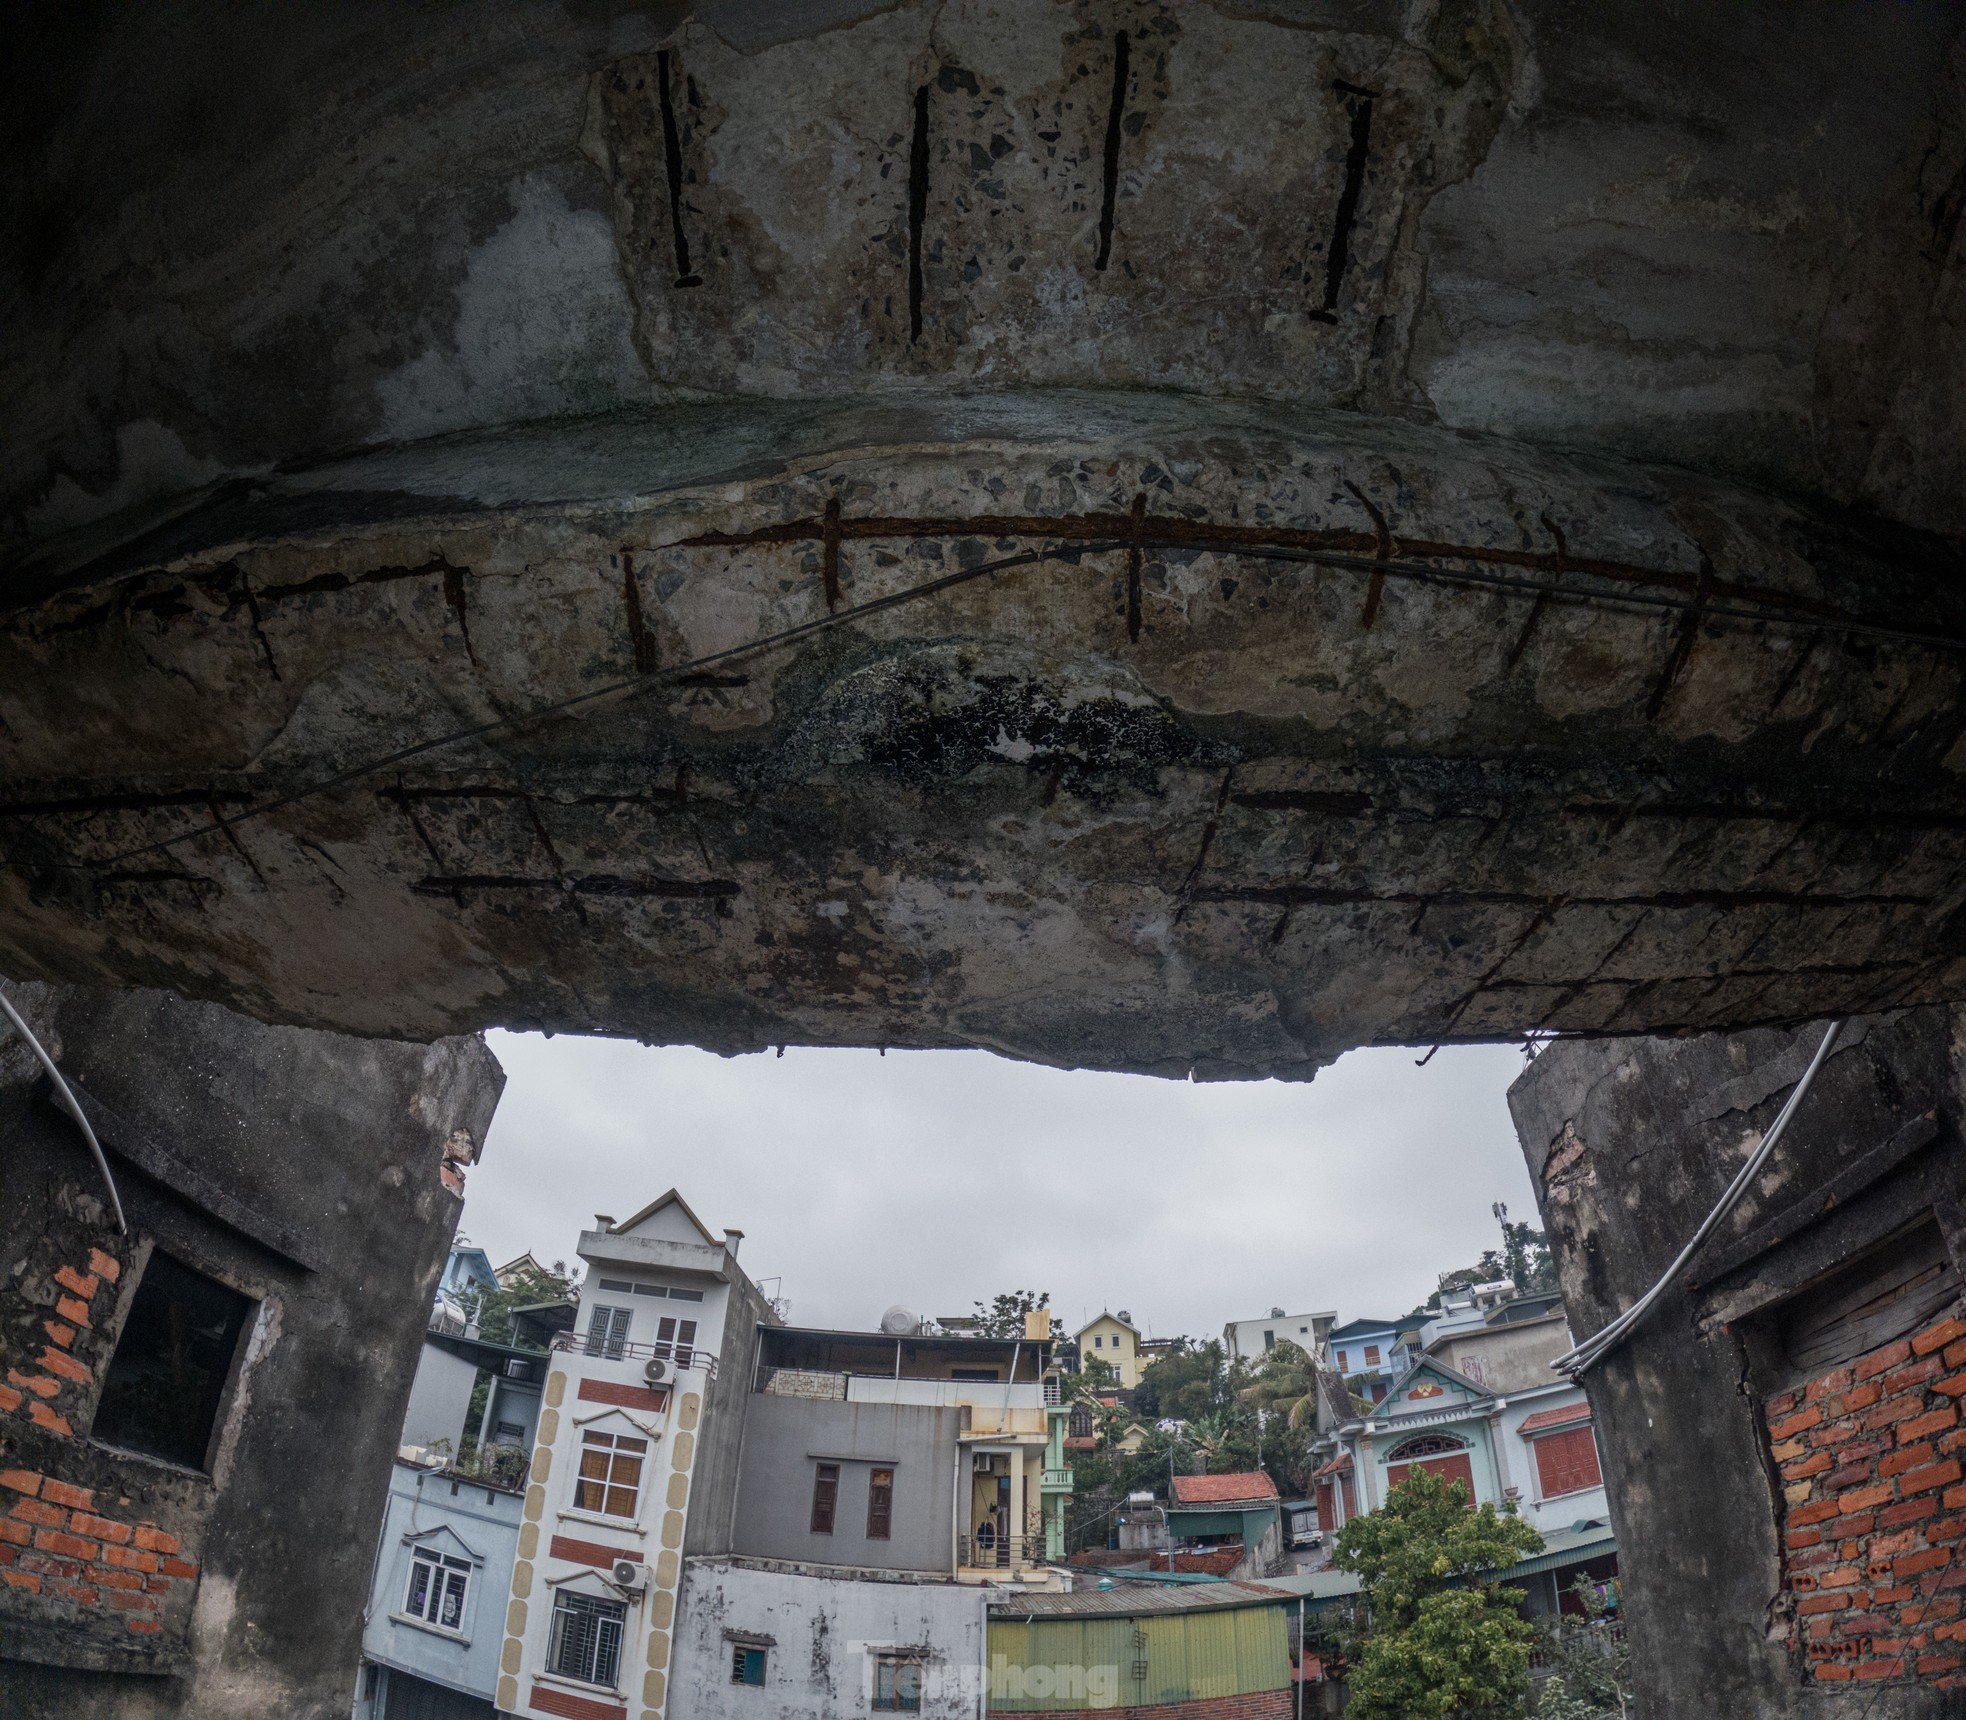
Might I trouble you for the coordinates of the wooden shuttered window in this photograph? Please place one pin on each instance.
(1457, 1467)
(1566, 1462)
(825, 1496)
(880, 1505)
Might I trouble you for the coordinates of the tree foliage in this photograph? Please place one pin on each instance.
(1590, 1666)
(1523, 1259)
(493, 1305)
(1187, 1383)
(1441, 1643)
(1285, 1385)
(1003, 1315)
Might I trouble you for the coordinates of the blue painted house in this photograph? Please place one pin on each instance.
(467, 1274)
(436, 1614)
(1370, 1348)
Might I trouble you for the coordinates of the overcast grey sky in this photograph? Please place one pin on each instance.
(935, 1178)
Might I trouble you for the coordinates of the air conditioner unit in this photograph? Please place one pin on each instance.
(631, 1574)
(655, 1370)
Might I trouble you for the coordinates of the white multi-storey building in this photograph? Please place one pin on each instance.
(635, 1464)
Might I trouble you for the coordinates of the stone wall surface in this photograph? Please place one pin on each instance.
(1629, 1145)
(303, 1171)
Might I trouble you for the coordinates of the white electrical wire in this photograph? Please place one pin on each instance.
(74, 1109)
(1576, 1363)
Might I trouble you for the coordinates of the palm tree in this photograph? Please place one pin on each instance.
(1209, 1436)
(1286, 1384)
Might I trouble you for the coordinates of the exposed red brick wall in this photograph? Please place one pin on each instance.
(546, 1700)
(628, 1397)
(59, 1542)
(1872, 1568)
(60, 1352)
(586, 1552)
(1256, 1705)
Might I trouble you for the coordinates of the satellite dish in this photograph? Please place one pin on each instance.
(898, 1322)
(1124, 1315)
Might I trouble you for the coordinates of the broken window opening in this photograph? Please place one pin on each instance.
(1886, 1292)
(747, 1665)
(166, 1381)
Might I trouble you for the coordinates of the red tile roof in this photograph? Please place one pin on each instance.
(1339, 1465)
(1222, 1489)
(1544, 1420)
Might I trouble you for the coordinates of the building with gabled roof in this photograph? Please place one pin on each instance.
(1239, 1513)
(1531, 1450)
(1251, 1486)
(636, 1463)
(1116, 1341)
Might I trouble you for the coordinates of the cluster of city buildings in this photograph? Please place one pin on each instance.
(653, 1495)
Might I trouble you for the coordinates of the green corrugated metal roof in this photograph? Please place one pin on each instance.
(1564, 1547)
(1049, 1665)
(1586, 1540)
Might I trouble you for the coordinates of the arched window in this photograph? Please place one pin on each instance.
(1426, 1445)
(1446, 1456)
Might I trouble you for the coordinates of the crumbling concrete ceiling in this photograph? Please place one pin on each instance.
(1725, 239)
(657, 332)
(1158, 793)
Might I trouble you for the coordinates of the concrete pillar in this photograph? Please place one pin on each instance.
(1499, 1456)
(1018, 1457)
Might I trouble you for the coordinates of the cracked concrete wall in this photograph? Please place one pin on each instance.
(328, 1147)
(1629, 1144)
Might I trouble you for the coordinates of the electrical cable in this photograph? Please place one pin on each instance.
(1577, 1362)
(1808, 620)
(74, 1109)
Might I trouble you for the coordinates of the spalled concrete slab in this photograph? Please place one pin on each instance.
(1240, 809)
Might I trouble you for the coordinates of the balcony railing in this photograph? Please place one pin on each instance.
(1001, 1552)
(983, 1396)
(678, 1356)
(1055, 1481)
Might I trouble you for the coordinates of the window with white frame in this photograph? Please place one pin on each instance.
(610, 1473)
(586, 1639)
(439, 1584)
